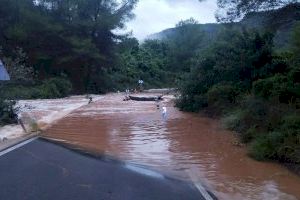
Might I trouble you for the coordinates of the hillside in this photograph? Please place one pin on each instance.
(280, 21)
(207, 28)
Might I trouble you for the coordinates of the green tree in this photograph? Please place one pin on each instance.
(234, 10)
(74, 37)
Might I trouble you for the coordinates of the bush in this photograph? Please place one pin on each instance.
(235, 120)
(48, 90)
(55, 88)
(63, 86)
(265, 147)
(52, 88)
(252, 112)
(283, 144)
(191, 103)
(278, 88)
(221, 97)
(7, 112)
(291, 122)
(221, 94)
(254, 118)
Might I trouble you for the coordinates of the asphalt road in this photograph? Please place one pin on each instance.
(42, 170)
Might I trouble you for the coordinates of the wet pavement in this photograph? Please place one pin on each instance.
(43, 170)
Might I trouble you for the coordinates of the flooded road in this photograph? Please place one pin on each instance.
(184, 145)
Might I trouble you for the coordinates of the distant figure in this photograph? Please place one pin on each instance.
(90, 100)
(157, 103)
(140, 82)
(164, 112)
(127, 92)
(127, 98)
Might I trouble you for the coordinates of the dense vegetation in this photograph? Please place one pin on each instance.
(254, 88)
(148, 61)
(74, 38)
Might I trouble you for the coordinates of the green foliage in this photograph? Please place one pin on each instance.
(186, 103)
(7, 112)
(273, 87)
(147, 61)
(250, 55)
(70, 37)
(265, 147)
(16, 66)
(233, 10)
(222, 96)
(235, 120)
(241, 78)
(187, 22)
(283, 144)
(51, 88)
(296, 41)
(60, 87)
(280, 87)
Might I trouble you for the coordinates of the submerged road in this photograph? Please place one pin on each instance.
(42, 170)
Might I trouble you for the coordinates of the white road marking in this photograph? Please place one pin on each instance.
(17, 146)
(199, 186)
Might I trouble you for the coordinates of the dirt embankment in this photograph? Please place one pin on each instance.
(40, 114)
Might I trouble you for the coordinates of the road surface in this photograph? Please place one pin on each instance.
(43, 170)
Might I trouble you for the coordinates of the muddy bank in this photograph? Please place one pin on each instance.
(184, 145)
(40, 114)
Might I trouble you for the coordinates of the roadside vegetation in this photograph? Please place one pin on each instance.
(253, 87)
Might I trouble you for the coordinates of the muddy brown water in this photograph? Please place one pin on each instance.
(184, 145)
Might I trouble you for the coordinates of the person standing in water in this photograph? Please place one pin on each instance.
(164, 112)
(141, 82)
(90, 100)
(157, 103)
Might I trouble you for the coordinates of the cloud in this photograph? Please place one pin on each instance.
(156, 15)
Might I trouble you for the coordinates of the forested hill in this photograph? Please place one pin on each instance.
(281, 22)
(210, 29)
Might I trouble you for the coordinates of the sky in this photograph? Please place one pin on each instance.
(153, 16)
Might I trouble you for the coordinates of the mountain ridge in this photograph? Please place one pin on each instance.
(281, 22)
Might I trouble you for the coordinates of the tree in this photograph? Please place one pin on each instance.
(190, 21)
(17, 68)
(183, 44)
(234, 10)
(74, 37)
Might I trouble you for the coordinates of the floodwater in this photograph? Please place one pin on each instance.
(184, 145)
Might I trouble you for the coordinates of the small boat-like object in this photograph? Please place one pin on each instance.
(142, 98)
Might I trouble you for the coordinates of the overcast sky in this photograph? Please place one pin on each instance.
(153, 16)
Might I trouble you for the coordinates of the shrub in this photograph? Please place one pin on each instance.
(277, 87)
(49, 90)
(191, 103)
(235, 120)
(7, 112)
(251, 113)
(221, 97)
(250, 134)
(282, 144)
(221, 94)
(52, 88)
(291, 122)
(56, 87)
(265, 147)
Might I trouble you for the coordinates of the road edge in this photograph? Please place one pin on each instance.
(12, 144)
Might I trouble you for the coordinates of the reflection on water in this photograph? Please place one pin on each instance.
(185, 145)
